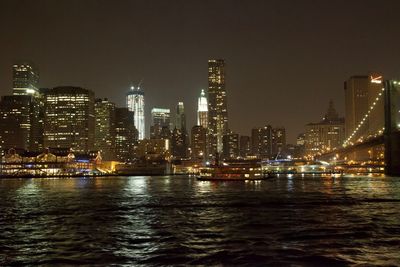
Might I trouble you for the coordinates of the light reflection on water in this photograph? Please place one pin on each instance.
(178, 220)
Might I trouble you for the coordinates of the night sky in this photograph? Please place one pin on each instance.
(285, 59)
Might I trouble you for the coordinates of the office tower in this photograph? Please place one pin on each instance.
(325, 135)
(245, 146)
(217, 105)
(202, 110)
(69, 120)
(261, 142)
(178, 144)
(19, 122)
(25, 79)
(361, 92)
(135, 103)
(180, 117)
(126, 135)
(230, 145)
(278, 141)
(198, 142)
(105, 128)
(160, 123)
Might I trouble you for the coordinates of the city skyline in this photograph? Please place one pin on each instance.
(268, 66)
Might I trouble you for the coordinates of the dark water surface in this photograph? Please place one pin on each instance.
(297, 221)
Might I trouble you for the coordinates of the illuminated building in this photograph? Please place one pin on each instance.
(19, 123)
(261, 142)
(69, 120)
(198, 142)
(278, 141)
(230, 145)
(25, 79)
(180, 117)
(360, 93)
(217, 106)
(135, 103)
(245, 146)
(105, 128)
(202, 110)
(326, 135)
(161, 123)
(125, 135)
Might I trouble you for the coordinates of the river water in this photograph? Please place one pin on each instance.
(301, 221)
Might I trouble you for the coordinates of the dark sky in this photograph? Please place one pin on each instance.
(285, 59)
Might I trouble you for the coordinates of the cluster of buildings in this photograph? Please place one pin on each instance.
(72, 119)
(68, 118)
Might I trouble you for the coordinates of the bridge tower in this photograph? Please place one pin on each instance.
(392, 127)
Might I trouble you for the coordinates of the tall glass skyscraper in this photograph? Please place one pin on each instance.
(202, 110)
(135, 103)
(217, 105)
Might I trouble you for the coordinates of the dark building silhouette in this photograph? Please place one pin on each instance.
(230, 145)
(261, 142)
(126, 135)
(198, 142)
(245, 146)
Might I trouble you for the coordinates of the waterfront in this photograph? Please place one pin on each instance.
(178, 220)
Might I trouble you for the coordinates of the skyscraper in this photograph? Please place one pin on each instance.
(179, 139)
(125, 134)
(105, 128)
(160, 123)
(217, 105)
(261, 142)
(69, 120)
(25, 79)
(180, 117)
(202, 110)
(135, 103)
(230, 145)
(19, 122)
(198, 142)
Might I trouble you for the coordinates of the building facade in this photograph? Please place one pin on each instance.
(326, 135)
(198, 142)
(261, 142)
(69, 120)
(217, 106)
(160, 123)
(180, 117)
(230, 145)
(19, 123)
(135, 103)
(105, 128)
(126, 135)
